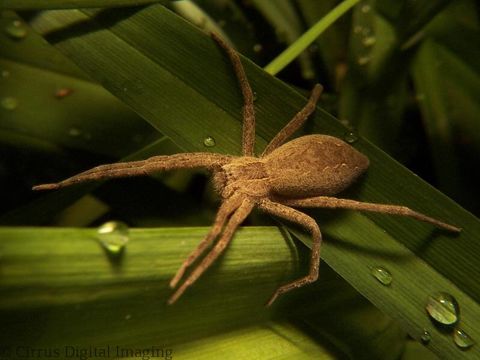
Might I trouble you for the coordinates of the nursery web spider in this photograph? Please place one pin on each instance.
(304, 172)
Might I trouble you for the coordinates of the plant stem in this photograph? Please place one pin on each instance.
(289, 54)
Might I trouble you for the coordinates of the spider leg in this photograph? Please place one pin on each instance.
(248, 137)
(310, 224)
(142, 167)
(236, 219)
(226, 209)
(297, 121)
(334, 203)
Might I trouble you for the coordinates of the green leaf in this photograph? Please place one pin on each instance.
(446, 75)
(58, 113)
(409, 17)
(78, 119)
(375, 92)
(70, 4)
(228, 19)
(277, 340)
(353, 254)
(309, 37)
(332, 43)
(28, 48)
(178, 80)
(66, 274)
(352, 324)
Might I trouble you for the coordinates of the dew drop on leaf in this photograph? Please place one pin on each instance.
(462, 339)
(426, 337)
(443, 308)
(350, 137)
(382, 275)
(209, 141)
(113, 235)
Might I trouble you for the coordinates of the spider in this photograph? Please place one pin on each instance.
(304, 172)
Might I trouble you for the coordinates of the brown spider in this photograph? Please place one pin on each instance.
(304, 172)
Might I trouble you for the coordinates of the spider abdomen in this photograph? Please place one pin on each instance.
(314, 165)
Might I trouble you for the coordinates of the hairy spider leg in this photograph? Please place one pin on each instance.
(297, 121)
(143, 167)
(248, 137)
(308, 223)
(226, 209)
(235, 220)
(335, 203)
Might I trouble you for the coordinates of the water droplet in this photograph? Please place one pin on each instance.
(382, 275)
(462, 339)
(363, 60)
(366, 8)
(16, 29)
(74, 132)
(5, 73)
(350, 137)
(9, 103)
(257, 48)
(128, 317)
(426, 337)
(113, 236)
(209, 141)
(63, 92)
(255, 96)
(369, 41)
(443, 308)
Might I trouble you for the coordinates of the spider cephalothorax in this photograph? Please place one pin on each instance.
(304, 172)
